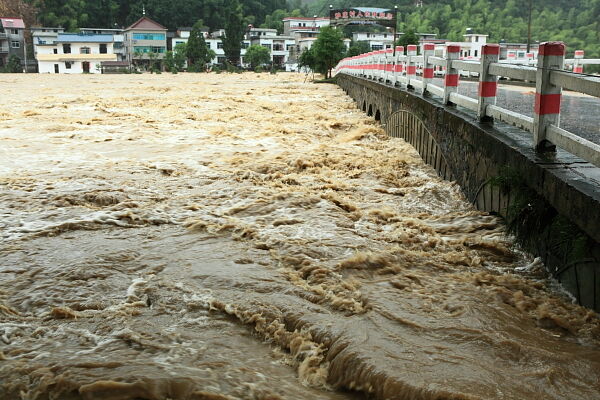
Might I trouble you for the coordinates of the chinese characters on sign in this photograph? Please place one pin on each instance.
(362, 16)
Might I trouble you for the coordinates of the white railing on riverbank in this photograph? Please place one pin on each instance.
(399, 69)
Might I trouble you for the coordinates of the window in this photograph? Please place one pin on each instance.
(277, 47)
(55, 51)
(103, 49)
(219, 45)
(290, 47)
(66, 48)
(85, 50)
(477, 38)
(15, 44)
(521, 54)
(245, 45)
(15, 31)
(68, 64)
(475, 53)
(149, 36)
(268, 46)
(148, 49)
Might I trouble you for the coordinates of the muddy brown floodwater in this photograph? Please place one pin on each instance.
(256, 237)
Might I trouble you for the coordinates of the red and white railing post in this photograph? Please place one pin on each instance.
(399, 67)
(389, 65)
(488, 84)
(428, 50)
(547, 96)
(451, 78)
(578, 68)
(411, 68)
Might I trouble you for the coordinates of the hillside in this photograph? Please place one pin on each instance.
(576, 22)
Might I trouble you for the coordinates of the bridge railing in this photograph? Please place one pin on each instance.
(397, 68)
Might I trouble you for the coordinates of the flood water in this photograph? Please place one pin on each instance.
(252, 236)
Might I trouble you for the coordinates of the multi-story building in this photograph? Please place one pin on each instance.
(216, 45)
(304, 31)
(376, 40)
(143, 37)
(75, 53)
(12, 40)
(279, 46)
(118, 36)
(44, 36)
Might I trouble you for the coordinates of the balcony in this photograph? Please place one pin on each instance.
(3, 35)
(3, 50)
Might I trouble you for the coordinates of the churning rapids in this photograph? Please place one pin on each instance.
(254, 236)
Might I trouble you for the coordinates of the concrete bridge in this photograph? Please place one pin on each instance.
(543, 180)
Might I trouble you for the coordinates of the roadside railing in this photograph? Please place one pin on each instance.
(399, 69)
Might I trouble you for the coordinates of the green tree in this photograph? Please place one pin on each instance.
(328, 50)
(180, 56)
(234, 31)
(257, 55)
(409, 37)
(307, 59)
(197, 51)
(13, 65)
(359, 47)
(170, 61)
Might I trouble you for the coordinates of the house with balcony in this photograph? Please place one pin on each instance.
(44, 36)
(12, 39)
(75, 53)
(279, 46)
(143, 38)
(118, 37)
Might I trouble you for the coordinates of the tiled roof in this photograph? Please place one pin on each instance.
(146, 24)
(84, 38)
(15, 23)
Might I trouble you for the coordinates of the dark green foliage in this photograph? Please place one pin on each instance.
(13, 66)
(307, 59)
(357, 48)
(328, 50)
(257, 55)
(234, 31)
(73, 14)
(196, 49)
(576, 22)
(409, 37)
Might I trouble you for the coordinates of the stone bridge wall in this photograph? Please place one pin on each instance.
(477, 156)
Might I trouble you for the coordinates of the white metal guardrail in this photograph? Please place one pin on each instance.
(399, 69)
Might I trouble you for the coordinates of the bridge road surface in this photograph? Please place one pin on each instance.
(252, 236)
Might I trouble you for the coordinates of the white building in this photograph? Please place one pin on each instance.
(118, 36)
(302, 30)
(279, 46)
(75, 53)
(42, 36)
(376, 40)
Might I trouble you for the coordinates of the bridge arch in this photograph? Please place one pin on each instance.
(406, 125)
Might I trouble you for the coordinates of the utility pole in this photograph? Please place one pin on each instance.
(529, 27)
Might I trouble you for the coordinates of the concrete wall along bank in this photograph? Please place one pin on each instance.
(476, 155)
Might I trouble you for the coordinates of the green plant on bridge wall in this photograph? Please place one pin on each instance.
(536, 225)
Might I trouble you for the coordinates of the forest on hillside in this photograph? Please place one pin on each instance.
(576, 22)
